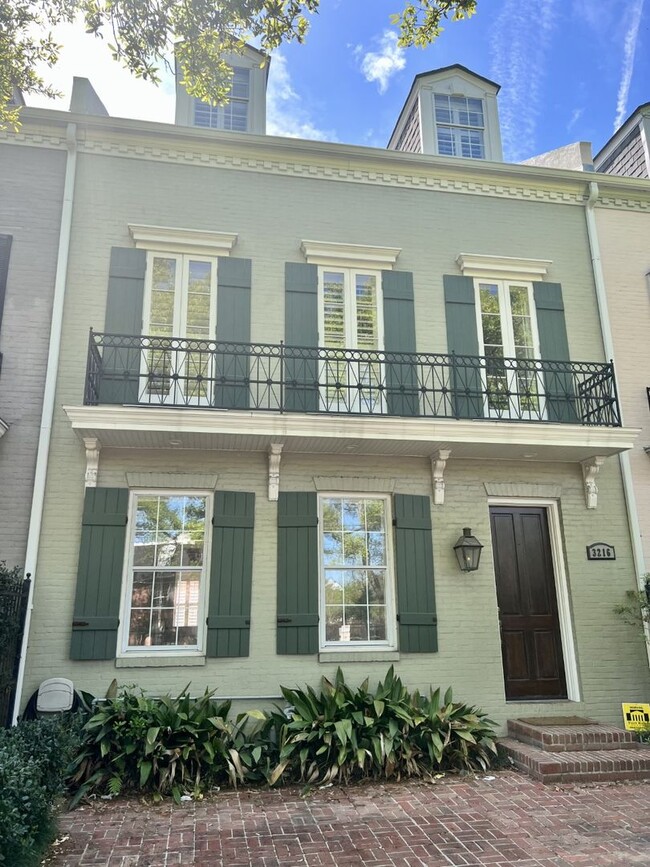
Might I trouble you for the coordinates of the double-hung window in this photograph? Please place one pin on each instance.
(460, 126)
(507, 328)
(356, 583)
(166, 572)
(180, 308)
(234, 114)
(351, 327)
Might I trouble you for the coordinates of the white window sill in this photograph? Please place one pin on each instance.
(369, 654)
(158, 661)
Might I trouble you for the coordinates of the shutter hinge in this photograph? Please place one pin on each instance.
(394, 522)
(79, 623)
(284, 620)
(397, 617)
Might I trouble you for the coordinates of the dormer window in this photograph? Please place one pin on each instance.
(234, 114)
(459, 126)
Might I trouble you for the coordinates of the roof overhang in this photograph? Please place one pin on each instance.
(132, 427)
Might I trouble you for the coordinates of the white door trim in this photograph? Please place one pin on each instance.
(561, 584)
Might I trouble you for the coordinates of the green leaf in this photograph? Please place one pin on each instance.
(145, 772)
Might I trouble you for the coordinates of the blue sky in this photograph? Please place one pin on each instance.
(569, 70)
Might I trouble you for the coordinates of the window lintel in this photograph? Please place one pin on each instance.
(342, 255)
(169, 239)
(503, 267)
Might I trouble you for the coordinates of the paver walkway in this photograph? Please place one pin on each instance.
(508, 820)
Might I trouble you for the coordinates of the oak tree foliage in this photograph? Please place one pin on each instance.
(143, 33)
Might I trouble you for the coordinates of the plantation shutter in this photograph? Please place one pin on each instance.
(462, 340)
(5, 250)
(399, 336)
(554, 346)
(297, 610)
(416, 602)
(119, 382)
(99, 575)
(231, 574)
(233, 326)
(301, 330)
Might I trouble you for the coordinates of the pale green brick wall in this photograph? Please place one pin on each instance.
(272, 214)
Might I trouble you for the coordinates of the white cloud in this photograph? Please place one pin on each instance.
(380, 66)
(629, 50)
(576, 114)
(520, 44)
(122, 94)
(285, 114)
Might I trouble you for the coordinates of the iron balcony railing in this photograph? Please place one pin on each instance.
(178, 372)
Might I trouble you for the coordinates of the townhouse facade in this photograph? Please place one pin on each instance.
(292, 376)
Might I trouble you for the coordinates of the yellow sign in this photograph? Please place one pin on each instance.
(636, 717)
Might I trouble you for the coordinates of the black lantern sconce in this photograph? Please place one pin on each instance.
(468, 551)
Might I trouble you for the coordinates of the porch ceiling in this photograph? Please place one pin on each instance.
(233, 430)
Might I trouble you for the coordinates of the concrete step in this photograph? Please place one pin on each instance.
(580, 766)
(571, 738)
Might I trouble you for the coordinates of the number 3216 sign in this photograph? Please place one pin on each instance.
(601, 551)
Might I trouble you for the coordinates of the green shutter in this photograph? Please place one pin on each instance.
(5, 250)
(399, 336)
(99, 576)
(554, 346)
(231, 574)
(462, 340)
(233, 326)
(416, 601)
(301, 330)
(297, 573)
(119, 382)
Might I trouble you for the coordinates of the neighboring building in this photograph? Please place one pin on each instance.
(627, 152)
(31, 179)
(310, 367)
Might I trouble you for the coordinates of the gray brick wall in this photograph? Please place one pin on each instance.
(627, 159)
(31, 180)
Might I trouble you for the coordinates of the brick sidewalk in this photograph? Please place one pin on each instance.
(510, 820)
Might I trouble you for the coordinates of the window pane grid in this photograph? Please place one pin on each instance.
(355, 570)
(167, 571)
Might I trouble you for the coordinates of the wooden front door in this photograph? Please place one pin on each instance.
(530, 631)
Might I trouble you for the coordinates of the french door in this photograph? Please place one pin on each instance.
(507, 327)
(180, 303)
(350, 319)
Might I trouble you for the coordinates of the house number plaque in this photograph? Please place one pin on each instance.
(601, 551)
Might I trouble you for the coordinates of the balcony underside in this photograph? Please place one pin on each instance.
(149, 427)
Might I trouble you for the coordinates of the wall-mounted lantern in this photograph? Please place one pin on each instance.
(468, 551)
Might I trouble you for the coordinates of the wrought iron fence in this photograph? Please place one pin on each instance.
(14, 593)
(175, 372)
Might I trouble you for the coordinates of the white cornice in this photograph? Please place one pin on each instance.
(175, 240)
(349, 255)
(503, 267)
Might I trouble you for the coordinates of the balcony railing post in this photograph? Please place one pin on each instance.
(615, 405)
(282, 376)
(453, 384)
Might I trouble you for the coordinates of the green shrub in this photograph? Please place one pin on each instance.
(341, 733)
(166, 745)
(33, 760)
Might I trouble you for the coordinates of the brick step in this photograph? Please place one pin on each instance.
(571, 738)
(579, 766)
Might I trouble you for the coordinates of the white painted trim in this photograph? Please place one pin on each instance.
(503, 267)
(168, 239)
(590, 470)
(341, 255)
(561, 586)
(284, 426)
(438, 464)
(49, 391)
(275, 456)
(123, 651)
(390, 643)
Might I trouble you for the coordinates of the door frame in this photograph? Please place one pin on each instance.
(561, 585)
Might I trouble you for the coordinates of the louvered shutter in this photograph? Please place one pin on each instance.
(231, 574)
(416, 601)
(99, 575)
(399, 337)
(232, 366)
(297, 576)
(5, 251)
(120, 371)
(462, 344)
